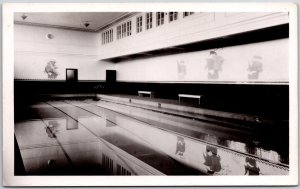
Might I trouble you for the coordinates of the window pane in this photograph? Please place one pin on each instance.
(159, 18)
(149, 20)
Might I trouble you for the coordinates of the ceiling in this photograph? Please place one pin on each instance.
(71, 20)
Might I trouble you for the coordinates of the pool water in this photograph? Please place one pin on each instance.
(87, 137)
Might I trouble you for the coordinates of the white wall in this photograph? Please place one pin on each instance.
(70, 49)
(83, 50)
(191, 67)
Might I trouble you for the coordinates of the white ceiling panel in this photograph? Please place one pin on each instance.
(72, 20)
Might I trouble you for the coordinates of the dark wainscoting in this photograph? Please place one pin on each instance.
(258, 99)
(266, 100)
(29, 91)
(56, 86)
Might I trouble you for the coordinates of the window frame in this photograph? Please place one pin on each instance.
(173, 16)
(185, 14)
(139, 24)
(107, 36)
(128, 25)
(149, 20)
(160, 17)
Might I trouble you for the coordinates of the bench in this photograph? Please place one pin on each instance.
(189, 96)
(151, 93)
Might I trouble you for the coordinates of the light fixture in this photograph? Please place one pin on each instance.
(24, 17)
(50, 36)
(86, 23)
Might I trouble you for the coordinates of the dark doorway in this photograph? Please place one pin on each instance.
(111, 76)
(71, 75)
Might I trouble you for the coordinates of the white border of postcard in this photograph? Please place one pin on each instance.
(8, 112)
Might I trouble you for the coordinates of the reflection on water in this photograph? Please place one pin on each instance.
(211, 138)
(251, 167)
(212, 160)
(80, 151)
(71, 124)
(267, 143)
(180, 149)
(239, 146)
(250, 148)
(52, 128)
(92, 140)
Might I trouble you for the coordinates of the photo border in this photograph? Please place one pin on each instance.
(8, 98)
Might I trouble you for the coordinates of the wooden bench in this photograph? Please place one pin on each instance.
(151, 93)
(189, 96)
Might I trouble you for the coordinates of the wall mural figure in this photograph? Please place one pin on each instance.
(181, 69)
(51, 69)
(214, 65)
(255, 66)
(251, 167)
(180, 148)
(212, 160)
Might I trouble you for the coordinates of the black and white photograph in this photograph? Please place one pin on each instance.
(150, 94)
